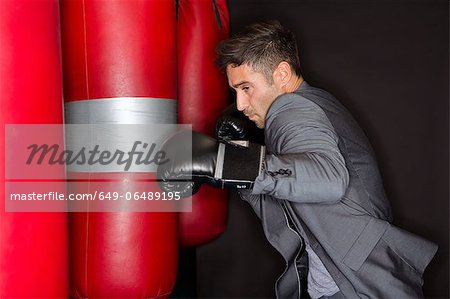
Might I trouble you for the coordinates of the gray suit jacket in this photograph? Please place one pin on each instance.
(322, 172)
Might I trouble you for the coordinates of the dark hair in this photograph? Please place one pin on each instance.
(262, 46)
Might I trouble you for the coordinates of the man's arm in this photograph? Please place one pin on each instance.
(306, 165)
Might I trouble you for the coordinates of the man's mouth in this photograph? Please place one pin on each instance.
(250, 115)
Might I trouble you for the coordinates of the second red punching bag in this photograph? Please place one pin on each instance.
(120, 68)
(202, 95)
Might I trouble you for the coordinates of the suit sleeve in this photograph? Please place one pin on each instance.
(306, 165)
(253, 199)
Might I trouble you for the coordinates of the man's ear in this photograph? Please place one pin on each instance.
(282, 74)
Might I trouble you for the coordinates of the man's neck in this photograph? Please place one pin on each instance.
(294, 84)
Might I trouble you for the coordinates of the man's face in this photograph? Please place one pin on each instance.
(254, 94)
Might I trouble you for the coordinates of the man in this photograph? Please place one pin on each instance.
(320, 191)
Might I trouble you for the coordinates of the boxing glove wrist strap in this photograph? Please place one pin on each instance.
(238, 164)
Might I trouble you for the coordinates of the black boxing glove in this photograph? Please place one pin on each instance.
(219, 164)
(232, 124)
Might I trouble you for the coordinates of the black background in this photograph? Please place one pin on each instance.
(387, 62)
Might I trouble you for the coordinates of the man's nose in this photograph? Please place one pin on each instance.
(241, 103)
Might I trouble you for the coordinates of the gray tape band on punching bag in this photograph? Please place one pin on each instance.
(118, 125)
(124, 110)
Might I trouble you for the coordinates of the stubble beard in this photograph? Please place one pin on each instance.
(259, 123)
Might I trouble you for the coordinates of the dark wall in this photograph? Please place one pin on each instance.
(387, 62)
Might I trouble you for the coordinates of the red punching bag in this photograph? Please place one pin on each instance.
(120, 68)
(33, 245)
(202, 95)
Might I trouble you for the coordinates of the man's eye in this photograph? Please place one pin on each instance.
(245, 88)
